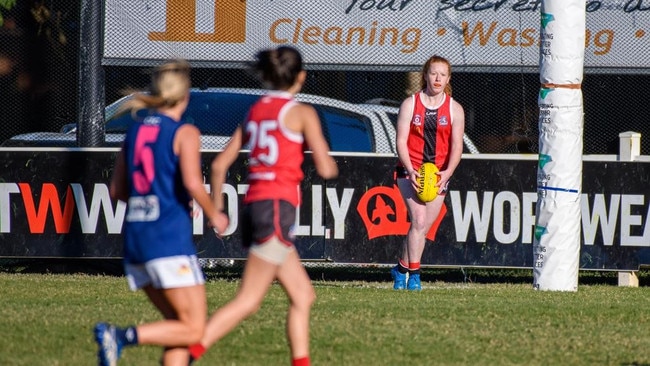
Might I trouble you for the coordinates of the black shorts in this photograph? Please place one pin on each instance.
(258, 222)
(401, 172)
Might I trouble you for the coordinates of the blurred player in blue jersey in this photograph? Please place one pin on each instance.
(158, 173)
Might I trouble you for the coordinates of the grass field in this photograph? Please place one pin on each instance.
(460, 318)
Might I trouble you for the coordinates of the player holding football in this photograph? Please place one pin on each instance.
(276, 130)
(430, 128)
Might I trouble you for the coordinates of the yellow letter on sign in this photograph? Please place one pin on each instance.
(180, 23)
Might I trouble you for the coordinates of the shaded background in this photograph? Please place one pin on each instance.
(39, 51)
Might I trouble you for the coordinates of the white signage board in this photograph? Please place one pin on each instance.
(391, 33)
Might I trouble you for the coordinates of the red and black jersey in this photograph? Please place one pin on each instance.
(276, 153)
(429, 137)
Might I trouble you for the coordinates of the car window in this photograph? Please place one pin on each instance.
(345, 130)
(218, 113)
(392, 117)
(121, 123)
(213, 113)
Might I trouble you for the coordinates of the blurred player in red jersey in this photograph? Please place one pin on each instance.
(276, 130)
(430, 128)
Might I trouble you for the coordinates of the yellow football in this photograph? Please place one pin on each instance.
(428, 190)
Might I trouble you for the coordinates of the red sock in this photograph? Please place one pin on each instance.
(196, 350)
(414, 266)
(303, 361)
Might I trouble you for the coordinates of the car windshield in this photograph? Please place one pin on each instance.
(219, 114)
(213, 113)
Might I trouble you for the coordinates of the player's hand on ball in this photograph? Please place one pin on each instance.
(414, 178)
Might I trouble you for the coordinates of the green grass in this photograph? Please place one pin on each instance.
(460, 318)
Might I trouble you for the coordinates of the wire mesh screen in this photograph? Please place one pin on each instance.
(363, 59)
(38, 66)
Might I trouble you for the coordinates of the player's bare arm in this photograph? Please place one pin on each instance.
(221, 164)
(403, 127)
(457, 131)
(187, 144)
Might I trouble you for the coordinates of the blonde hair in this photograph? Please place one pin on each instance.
(425, 70)
(170, 84)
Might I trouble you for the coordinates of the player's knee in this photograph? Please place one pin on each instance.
(310, 297)
(419, 223)
(306, 298)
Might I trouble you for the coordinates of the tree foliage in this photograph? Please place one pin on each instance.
(4, 6)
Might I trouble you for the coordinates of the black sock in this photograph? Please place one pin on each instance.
(127, 336)
(401, 268)
(414, 271)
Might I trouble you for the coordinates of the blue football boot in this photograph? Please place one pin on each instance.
(110, 348)
(399, 278)
(414, 282)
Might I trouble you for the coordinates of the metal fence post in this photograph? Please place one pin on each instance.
(90, 128)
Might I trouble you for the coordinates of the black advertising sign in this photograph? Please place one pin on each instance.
(55, 203)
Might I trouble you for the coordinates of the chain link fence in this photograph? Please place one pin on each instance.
(39, 75)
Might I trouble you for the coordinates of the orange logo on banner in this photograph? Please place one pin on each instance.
(384, 212)
(37, 215)
(180, 22)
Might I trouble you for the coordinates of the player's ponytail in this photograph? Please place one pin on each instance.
(170, 84)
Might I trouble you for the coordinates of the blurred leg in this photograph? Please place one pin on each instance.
(297, 284)
(257, 278)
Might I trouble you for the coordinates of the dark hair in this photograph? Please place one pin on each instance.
(425, 71)
(278, 68)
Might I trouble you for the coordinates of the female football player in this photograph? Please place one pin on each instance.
(430, 128)
(276, 130)
(157, 173)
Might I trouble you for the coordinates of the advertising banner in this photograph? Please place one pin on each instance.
(386, 33)
(56, 204)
